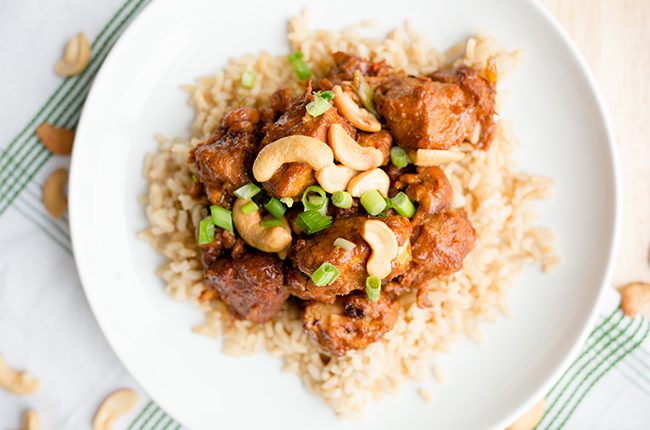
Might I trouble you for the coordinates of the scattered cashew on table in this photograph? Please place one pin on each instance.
(19, 382)
(113, 407)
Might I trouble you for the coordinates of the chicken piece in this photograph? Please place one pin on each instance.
(223, 160)
(429, 187)
(345, 65)
(293, 178)
(309, 253)
(421, 113)
(381, 140)
(352, 322)
(252, 286)
(481, 90)
(281, 100)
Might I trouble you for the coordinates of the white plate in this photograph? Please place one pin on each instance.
(564, 132)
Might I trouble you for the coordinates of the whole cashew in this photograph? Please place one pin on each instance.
(16, 381)
(634, 297)
(375, 179)
(54, 197)
(31, 420)
(291, 149)
(334, 177)
(358, 116)
(530, 419)
(113, 407)
(383, 243)
(350, 153)
(76, 56)
(434, 157)
(57, 140)
(273, 239)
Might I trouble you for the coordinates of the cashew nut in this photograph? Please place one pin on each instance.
(383, 243)
(350, 153)
(113, 407)
(375, 179)
(57, 140)
(434, 157)
(76, 56)
(16, 381)
(291, 149)
(273, 239)
(334, 177)
(634, 297)
(54, 197)
(358, 116)
(31, 420)
(530, 419)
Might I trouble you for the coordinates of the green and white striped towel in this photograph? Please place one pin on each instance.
(45, 323)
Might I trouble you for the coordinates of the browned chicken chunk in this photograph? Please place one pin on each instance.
(345, 65)
(309, 253)
(352, 322)
(252, 286)
(421, 113)
(429, 187)
(223, 160)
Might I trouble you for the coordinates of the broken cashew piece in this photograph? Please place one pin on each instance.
(350, 153)
(113, 407)
(634, 297)
(17, 381)
(291, 149)
(54, 197)
(375, 179)
(75, 58)
(358, 116)
(273, 239)
(57, 140)
(335, 177)
(31, 420)
(434, 157)
(530, 419)
(383, 243)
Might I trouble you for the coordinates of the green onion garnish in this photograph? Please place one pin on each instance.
(300, 68)
(221, 217)
(249, 208)
(403, 205)
(247, 191)
(314, 198)
(344, 244)
(342, 199)
(321, 103)
(275, 207)
(373, 202)
(399, 157)
(195, 179)
(248, 76)
(373, 288)
(312, 221)
(365, 93)
(288, 201)
(206, 231)
(326, 274)
(271, 222)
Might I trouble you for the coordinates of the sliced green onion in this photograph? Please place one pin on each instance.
(206, 231)
(314, 202)
(342, 199)
(248, 76)
(288, 201)
(312, 221)
(326, 274)
(389, 203)
(403, 205)
(344, 244)
(373, 288)
(399, 157)
(373, 202)
(365, 92)
(247, 191)
(271, 222)
(249, 208)
(322, 103)
(300, 68)
(195, 179)
(275, 207)
(221, 217)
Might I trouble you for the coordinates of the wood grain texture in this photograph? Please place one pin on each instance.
(614, 37)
